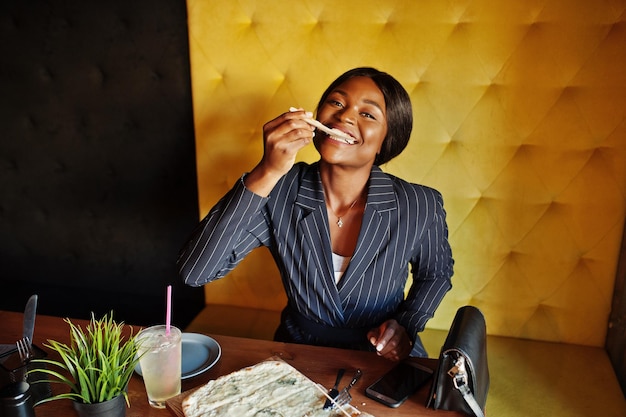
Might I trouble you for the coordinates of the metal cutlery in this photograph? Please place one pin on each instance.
(334, 391)
(344, 397)
(25, 352)
(25, 344)
(24, 349)
(30, 312)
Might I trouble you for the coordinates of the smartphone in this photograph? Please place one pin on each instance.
(393, 388)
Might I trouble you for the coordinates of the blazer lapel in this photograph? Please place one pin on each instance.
(313, 229)
(374, 234)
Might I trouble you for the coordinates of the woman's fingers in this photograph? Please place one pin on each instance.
(391, 340)
(283, 137)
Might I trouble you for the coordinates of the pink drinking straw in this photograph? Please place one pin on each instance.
(168, 313)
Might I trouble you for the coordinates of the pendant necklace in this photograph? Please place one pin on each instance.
(339, 220)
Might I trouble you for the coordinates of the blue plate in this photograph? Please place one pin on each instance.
(200, 353)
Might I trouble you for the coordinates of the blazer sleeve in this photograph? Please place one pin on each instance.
(431, 268)
(231, 230)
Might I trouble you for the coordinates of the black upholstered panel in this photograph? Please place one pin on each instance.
(97, 165)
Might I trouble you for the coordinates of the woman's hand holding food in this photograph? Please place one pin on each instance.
(283, 137)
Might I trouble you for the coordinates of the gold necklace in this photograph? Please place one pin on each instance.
(339, 221)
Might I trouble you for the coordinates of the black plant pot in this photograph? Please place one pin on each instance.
(115, 407)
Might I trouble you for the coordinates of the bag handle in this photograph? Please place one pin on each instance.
(459, 378)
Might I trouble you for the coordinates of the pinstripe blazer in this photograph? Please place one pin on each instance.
(403, 230)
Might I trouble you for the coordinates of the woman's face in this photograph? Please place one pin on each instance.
(356, 107)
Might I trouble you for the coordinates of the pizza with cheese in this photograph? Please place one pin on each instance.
(271, 388)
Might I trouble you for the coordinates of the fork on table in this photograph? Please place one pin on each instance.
(24, 349)
(19, 370)
(344, 397)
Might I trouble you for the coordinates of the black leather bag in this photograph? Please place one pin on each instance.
(461, 381)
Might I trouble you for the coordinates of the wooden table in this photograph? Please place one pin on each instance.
(317, 363)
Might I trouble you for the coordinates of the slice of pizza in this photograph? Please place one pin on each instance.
(269, 388)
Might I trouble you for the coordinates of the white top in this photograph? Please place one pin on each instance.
(340, 263)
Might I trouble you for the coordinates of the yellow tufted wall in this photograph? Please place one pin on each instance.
(519, 122)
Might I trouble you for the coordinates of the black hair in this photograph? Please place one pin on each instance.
(397, 102)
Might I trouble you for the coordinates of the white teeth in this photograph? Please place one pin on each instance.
(334, 133)
(349, 141)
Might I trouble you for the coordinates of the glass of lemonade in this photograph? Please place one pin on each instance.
(160, 360)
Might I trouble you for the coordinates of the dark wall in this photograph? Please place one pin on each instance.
(616, 336)
(97, 164)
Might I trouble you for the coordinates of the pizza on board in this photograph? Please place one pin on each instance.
(271, 388)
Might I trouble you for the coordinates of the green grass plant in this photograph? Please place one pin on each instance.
(98, 363)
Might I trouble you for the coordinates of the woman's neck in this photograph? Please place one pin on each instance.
(342, 186)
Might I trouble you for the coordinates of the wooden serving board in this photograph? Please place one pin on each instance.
(175, 405)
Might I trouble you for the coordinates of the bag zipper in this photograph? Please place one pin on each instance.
(458, 372)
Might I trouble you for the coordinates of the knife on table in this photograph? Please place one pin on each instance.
(334, 391)
(30, 312)
(355, 378)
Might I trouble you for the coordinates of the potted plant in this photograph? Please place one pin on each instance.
(96, 366)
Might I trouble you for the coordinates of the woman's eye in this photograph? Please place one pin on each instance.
(335, 103)
(368, 115)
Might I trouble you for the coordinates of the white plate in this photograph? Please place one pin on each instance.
(200, 353)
